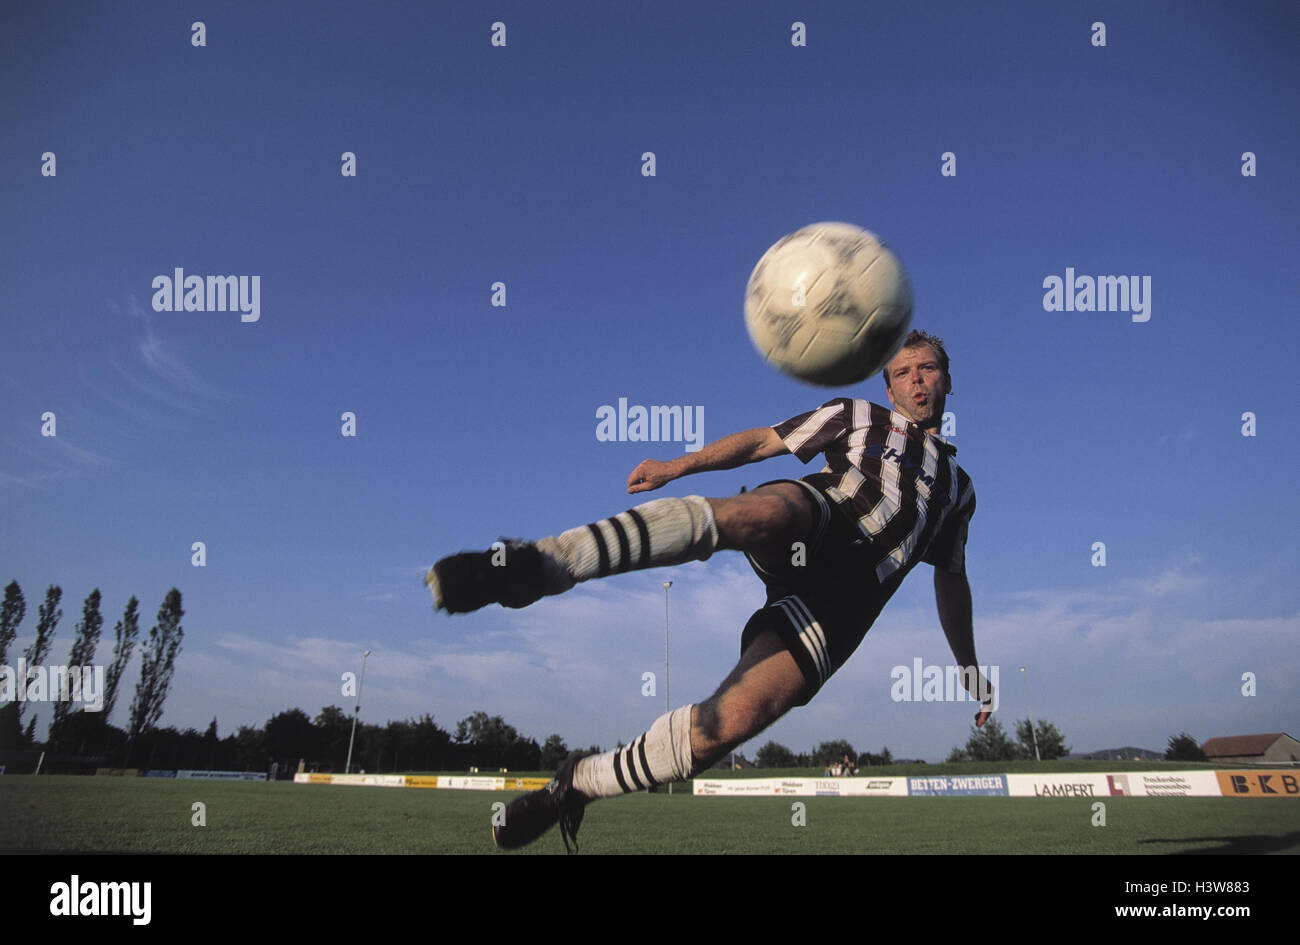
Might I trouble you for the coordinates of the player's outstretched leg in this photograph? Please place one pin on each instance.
(662, 532)
(516, 573)
(764, 685)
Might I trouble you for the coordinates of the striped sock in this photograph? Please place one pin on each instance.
(661, 754)
(661, 532)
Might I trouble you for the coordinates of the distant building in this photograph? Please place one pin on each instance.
(1253, 749)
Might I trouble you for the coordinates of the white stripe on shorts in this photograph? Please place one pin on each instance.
(810, 633)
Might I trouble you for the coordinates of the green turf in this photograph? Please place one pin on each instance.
(53, 813)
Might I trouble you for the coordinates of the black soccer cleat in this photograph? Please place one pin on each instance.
(530, 816)
(511, 574)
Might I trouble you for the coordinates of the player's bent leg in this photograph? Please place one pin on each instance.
(762, 687)
(765, 685)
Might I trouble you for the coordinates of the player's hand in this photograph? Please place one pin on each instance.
(650, 474)
(982, 716)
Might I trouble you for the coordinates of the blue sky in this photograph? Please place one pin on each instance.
(522, 164)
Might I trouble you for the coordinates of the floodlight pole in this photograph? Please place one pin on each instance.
(667, 584)
(1033, 729)
(348, 767)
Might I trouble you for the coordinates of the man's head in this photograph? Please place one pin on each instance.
(917, 380)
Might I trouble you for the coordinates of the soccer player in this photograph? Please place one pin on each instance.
(831, 549)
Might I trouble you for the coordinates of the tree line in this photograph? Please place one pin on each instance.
(776, 755)
(68, 727)
(987, 743)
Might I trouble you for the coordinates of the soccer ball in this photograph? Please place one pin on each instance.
(829, 304)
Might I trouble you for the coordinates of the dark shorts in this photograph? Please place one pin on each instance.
(822, 598)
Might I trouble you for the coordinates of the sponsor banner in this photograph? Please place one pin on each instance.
(1163, 784)
(118, 772)
(1259, 783)
(384, 780)
(526, 784)
(960, 785)
(1126, 784)
(472, 783)
(875, 787)
(223, 775)
(761, 786)
(1059, 785)
(160, 774)
(455, 782)
(802, 787)
(481, 783)
(353, 780)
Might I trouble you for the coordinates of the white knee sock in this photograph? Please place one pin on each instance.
(661, 754)
(662, 532)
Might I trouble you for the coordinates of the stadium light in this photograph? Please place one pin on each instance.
(667, 584)
(1033, 729)
(348, 767)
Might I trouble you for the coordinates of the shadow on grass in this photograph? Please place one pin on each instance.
(1259, 843)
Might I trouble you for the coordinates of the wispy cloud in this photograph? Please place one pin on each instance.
(151, 382)
(1185, 435)
(160, 359)
(49, 458)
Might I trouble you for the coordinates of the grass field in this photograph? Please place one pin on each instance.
(147, 815)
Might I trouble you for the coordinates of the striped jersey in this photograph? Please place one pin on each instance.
(900, 484)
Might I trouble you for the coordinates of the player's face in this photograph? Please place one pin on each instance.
(917, 386)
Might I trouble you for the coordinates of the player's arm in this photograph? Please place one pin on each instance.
(952, 596)
(738, 449)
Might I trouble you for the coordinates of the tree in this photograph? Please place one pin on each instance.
(1183, 747)
(125, 633)
(82, 656)
(583, 752)
(210, 745)
(492, 743)
(987, 743)
(290, 736)
(775, 755)
(12, 612)
(47, 618)
(868, 758)
(554, 751)
(250, 749)
(424, 745)
(1051, 743)
(157, 665)
(827, 753)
